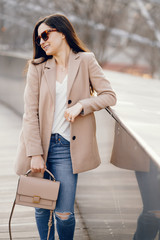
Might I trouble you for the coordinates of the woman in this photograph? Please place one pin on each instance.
(58, 125)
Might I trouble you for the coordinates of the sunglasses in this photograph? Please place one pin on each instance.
(44, 35)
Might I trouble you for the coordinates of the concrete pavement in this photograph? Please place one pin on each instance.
(107, 203)
(23, 223)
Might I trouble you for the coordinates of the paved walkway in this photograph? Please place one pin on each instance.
(108, 197)
(23, 224)
(108, 201)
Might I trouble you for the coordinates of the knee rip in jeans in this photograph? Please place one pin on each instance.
(63, 216)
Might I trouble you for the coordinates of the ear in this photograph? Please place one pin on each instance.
(63, 36)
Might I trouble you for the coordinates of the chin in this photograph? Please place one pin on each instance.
(48, 52)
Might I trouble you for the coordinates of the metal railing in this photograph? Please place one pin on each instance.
(130, 151)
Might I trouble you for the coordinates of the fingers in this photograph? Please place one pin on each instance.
(72, 112)
(37, 164)
(69, 116)
(37, 170)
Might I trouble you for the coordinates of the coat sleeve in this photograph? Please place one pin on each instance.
(30, 126)
(105, 95)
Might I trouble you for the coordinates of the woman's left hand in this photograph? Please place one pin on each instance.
(72, 112)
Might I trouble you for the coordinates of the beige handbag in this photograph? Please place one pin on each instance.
(36, 192)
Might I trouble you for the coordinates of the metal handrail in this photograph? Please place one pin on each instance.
(139, 141)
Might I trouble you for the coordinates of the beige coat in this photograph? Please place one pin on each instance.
(39, 97)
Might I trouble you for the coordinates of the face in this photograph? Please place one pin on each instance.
(55, 40)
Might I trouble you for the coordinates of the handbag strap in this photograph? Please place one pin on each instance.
(50, 223)
(46, 170)
(51, 211)
(10, 218)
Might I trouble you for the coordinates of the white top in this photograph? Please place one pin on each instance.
(60, 124)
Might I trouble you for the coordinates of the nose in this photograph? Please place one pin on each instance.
(41, 41)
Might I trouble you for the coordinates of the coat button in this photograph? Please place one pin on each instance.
(74, 137)
(69, 101)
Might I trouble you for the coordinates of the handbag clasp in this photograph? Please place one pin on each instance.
(36, 199)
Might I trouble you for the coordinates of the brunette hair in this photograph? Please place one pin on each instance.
(63, 25)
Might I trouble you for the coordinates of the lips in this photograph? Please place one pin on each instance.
(45, 47)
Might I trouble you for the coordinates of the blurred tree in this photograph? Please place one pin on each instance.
(118, 31)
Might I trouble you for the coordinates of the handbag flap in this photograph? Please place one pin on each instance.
(33, 186)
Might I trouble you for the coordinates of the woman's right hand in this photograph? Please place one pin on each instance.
(37, 164)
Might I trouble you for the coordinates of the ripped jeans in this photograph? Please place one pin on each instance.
(148, 224)
(59, 163)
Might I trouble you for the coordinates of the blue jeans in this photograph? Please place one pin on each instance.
(148, 224)
(59, 163)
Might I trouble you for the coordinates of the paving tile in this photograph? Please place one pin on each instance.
(23, 223)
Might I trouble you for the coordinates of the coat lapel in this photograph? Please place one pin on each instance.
(73, 65)
(50, 75)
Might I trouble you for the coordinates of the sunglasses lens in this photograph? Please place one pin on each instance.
(44, 36)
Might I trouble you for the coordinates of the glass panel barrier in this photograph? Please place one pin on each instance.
(120, 202)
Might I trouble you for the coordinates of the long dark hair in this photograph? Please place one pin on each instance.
(63, 25)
